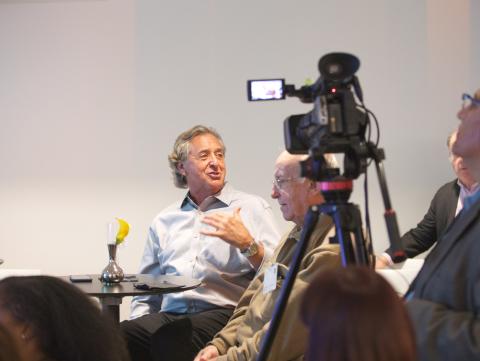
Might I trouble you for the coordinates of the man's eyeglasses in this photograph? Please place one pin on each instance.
(279, 183)
(468, 101)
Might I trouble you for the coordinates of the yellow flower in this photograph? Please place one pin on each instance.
(123, 229)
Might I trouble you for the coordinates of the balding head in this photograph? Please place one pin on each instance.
(290, 162)
(294, 193)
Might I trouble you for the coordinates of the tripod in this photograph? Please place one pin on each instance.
(349, 235)
(348, 223)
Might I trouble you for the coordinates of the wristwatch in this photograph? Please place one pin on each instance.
(251, 250)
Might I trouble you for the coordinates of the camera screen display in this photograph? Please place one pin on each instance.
(266, 89)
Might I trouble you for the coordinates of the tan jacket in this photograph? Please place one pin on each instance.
(241, 338)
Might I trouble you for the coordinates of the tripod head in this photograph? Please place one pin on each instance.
(336, 190)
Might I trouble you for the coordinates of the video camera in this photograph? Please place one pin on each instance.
(336, 124)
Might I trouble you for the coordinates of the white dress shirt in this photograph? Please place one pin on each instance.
(176, 247)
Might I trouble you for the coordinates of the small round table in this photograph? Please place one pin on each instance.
(111, 295)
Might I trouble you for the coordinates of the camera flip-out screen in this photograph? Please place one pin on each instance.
(266, 89)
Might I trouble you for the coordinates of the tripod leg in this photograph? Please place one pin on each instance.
(349, 234)
(344, 240)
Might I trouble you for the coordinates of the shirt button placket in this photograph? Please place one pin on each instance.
(197, 240)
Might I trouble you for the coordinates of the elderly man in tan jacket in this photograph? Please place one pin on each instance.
(241, 338)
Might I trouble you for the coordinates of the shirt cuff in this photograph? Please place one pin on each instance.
(221, 346)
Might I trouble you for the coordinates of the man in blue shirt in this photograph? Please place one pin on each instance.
(215, 234)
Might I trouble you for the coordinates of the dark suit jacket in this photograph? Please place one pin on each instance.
(445, 304)
(434, 223)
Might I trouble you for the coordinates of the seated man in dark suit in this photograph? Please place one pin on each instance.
(444, 299)
(445, 205)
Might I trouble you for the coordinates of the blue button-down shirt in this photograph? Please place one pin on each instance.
(175, 246)
(469, 201)
(465, 193)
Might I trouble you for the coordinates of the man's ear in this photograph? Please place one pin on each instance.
(26, 333)
(315, 196)
(181, 169)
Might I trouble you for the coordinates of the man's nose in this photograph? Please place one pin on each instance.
(275, 193)
(213, 160)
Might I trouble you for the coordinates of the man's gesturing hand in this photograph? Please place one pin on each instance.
(230, 228)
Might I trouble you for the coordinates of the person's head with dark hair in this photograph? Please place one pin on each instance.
(52, 319)
(353, 314)
(8, 346)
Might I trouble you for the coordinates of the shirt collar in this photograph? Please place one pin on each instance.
(219, 200)
(469, 201)
(296, 232)
(225, 195)
(465, 190)
(188, 204)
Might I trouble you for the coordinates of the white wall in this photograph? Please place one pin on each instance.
(93, 93)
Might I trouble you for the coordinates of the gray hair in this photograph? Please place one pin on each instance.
(449, 140)
(181, 147)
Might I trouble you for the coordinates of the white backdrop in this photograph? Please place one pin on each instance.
(93, 94)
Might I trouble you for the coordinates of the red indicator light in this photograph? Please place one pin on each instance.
(334, 90)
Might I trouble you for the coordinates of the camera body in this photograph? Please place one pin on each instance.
(336, 124)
